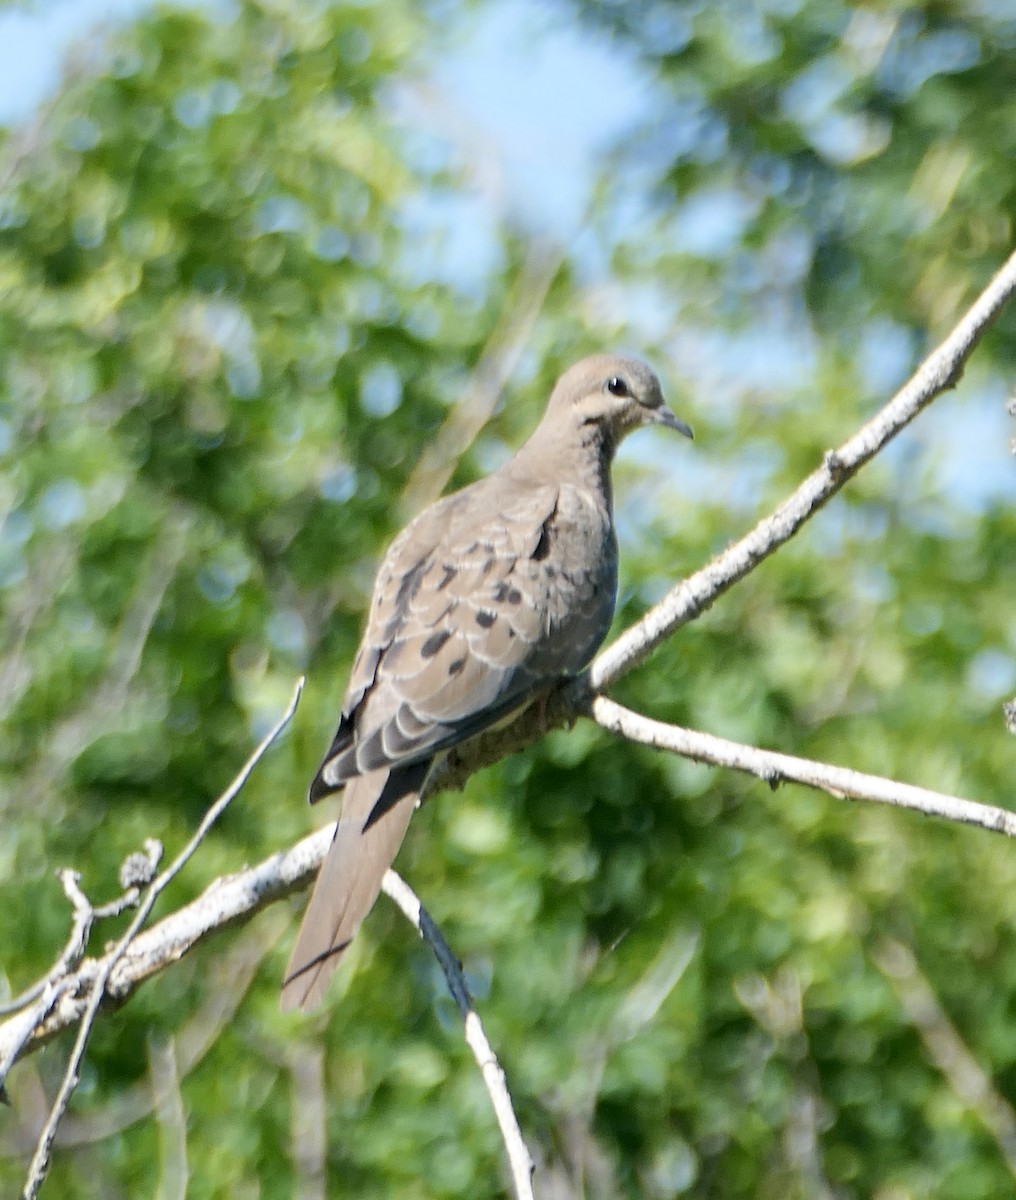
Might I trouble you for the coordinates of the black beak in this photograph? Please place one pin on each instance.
(664, 416)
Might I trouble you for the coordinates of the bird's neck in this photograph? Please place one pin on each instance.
(580, 457)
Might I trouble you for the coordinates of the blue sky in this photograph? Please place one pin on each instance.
(34, 43)
(544, 98)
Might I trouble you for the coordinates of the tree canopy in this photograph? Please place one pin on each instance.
(229, 330)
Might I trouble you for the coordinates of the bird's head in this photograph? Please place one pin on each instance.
(615, 393)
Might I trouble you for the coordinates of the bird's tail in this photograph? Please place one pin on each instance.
(376, 809)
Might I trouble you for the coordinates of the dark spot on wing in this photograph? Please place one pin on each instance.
(455, 667)
(485, 619)
(449, 574)
(488, 566)
(504, 591)
(434, 643)
(410, 585)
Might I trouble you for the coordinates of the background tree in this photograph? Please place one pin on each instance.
(228, 328)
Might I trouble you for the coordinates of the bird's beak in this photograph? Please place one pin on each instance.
(664, 416)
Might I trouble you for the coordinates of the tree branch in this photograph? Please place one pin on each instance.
(94, 997)
(519, 1158)
(224, 902)
(76, 995)
(939, 372)
(775, 769)
(229, 974)
(235, 898)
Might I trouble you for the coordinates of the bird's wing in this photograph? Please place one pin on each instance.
(456, 633)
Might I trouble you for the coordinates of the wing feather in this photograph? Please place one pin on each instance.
(464, 626)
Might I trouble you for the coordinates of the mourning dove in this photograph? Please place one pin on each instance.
(485, 600)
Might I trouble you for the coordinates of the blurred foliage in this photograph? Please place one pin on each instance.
(224, 337)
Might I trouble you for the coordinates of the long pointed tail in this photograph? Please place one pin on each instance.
(376, 809)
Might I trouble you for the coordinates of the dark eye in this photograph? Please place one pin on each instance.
(617, 386)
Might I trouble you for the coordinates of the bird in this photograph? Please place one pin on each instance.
(484, 601)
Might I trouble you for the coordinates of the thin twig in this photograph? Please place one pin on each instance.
(225, 901)
(229, 978)
(39, 999)
(519, 1158)
(40, 1160)
(775, 769)
(939, 371)
(73, 951)
(84, 918)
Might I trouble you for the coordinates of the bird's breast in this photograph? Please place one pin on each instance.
(579, 576)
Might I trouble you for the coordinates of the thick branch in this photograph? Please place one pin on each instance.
(939, 371)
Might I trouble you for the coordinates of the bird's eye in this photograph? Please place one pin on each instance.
(617, 386)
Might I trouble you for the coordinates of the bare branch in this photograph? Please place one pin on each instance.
(939, 371)
(40, 1160)
(226, 901)
(775, 769)
(70, 956)
(519, 1158)
(234, 898)
(76, 995)
(229, 976)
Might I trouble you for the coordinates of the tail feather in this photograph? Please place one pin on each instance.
(376, 809)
